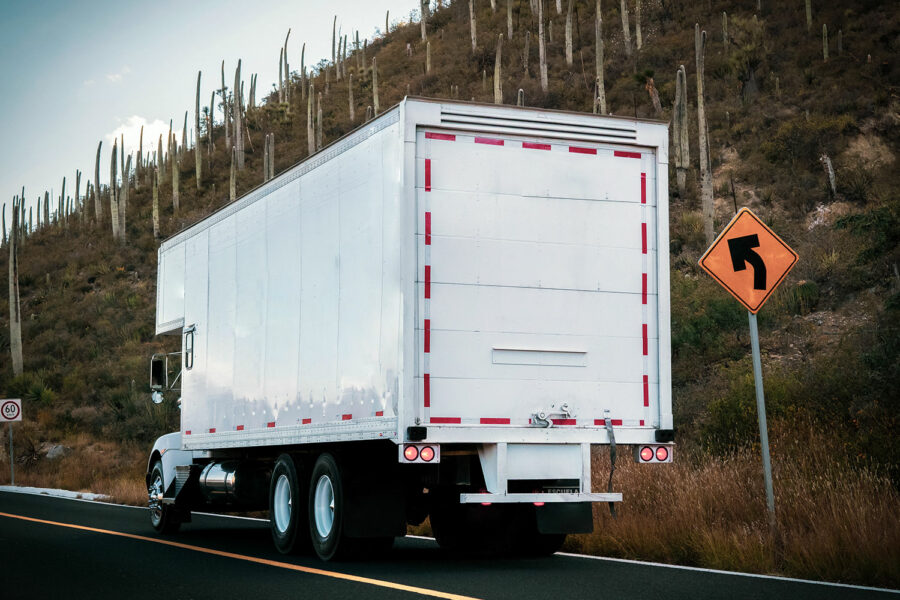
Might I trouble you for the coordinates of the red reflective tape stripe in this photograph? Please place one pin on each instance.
(642, 422)
(306, 421)
(535, 146)
(643, 238)
(646, 390)
(239, 428)
(643, 288)
(427, 174)
(445, 420)
(379, 413)
(615, 422)
(622, 154)
(644, 327)
(427, 393)
(440, 136)
(270, 424)
(489, 141)
(346, 417)
(578, 150)
(188, 432)
(427, 335)
(643, 188)
(212, 429)
(494, 421)
(563, 421)
(428, 281)
(428, 229)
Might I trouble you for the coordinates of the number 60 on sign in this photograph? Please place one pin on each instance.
(10, 410)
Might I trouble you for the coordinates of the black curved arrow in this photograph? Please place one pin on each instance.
(741, 250)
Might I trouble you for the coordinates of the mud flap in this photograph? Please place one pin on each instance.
(566, 517)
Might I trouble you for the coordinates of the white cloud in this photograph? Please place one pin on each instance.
(117, 77)
(88, 82)
(131, 129)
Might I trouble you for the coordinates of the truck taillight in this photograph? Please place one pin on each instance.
(420, 453)
(653, 454)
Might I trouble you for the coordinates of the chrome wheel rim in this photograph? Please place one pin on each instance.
(323, 506)
(154, 492)
(282, 503)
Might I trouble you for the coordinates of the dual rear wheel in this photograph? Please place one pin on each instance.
(307, 512)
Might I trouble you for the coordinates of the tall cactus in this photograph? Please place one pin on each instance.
(271, 155)
(520, 98)
(375, 84)
(387, 25)
(310, 133)
(281, 76)
(77, 190)
(175, 157)
(509, 20)
(98, 208)
(266, 159)
(238, 118)
(113, 186)
(15, 315)
(160, 161)
(569, 34)
(707, 205)
(154, 176)
(287, 83)
(472, 27)
(123, 203)
(680, 135)
(638, 38)
(598, 76)
(824, 42)
(225, 102)
(427, 57)
(333, 42)
(319, 126)
(626, 29)
(47, 208)
(198, 159)
(232, 185)
(303, 71)
(350, 94)
(140, 158)
(808, 16)
(210, 126)
(526, 53)
(542, 50)
(498, 71)
(424, 18)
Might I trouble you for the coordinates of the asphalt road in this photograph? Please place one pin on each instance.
(60, 548)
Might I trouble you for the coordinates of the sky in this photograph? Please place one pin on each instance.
(78, 72)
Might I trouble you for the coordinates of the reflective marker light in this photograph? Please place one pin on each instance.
(412, 453)
(646, 454)
(662, 453)
(427, 453)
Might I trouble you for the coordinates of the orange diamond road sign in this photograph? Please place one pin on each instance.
(749, 260)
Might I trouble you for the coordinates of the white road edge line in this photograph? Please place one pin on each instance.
(6, 488)
(721, 572)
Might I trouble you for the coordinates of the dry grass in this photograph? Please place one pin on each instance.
(834, 522)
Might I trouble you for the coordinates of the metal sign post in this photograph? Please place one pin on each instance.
(761, 412)
(11, 410)
(747, 242)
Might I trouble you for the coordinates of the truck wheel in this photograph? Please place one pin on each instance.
(326, 505)
(475, 529)
(163, 517)
(286, 507)
(541, 544)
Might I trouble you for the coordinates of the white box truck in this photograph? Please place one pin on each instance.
(436, 315)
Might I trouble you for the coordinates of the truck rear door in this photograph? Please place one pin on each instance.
(536, 282)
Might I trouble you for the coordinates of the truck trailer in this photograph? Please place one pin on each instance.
(437, 315)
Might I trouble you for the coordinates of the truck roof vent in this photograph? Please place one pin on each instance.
(545, 125)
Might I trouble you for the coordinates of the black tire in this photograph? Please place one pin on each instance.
(164, 518)
(477, 530)
(326, 480)
(538, 545)
(287, 507)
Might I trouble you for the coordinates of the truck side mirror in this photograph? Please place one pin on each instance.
(159, 372)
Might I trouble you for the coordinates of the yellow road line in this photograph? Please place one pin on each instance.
(262, 561)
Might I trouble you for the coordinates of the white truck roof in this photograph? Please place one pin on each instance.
(472, 269)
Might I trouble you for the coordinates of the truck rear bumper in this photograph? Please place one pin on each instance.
(537, 497)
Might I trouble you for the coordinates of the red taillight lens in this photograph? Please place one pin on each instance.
(662, 453)
(646, 454)
(427, 453)
(411, 453)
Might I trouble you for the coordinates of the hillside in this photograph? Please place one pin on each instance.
(775, 107)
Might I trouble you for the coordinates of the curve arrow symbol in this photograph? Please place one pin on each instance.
(742, 252)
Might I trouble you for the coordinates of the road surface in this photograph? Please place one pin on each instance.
(62, 548)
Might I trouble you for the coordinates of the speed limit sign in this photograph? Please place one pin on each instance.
(11, 410)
